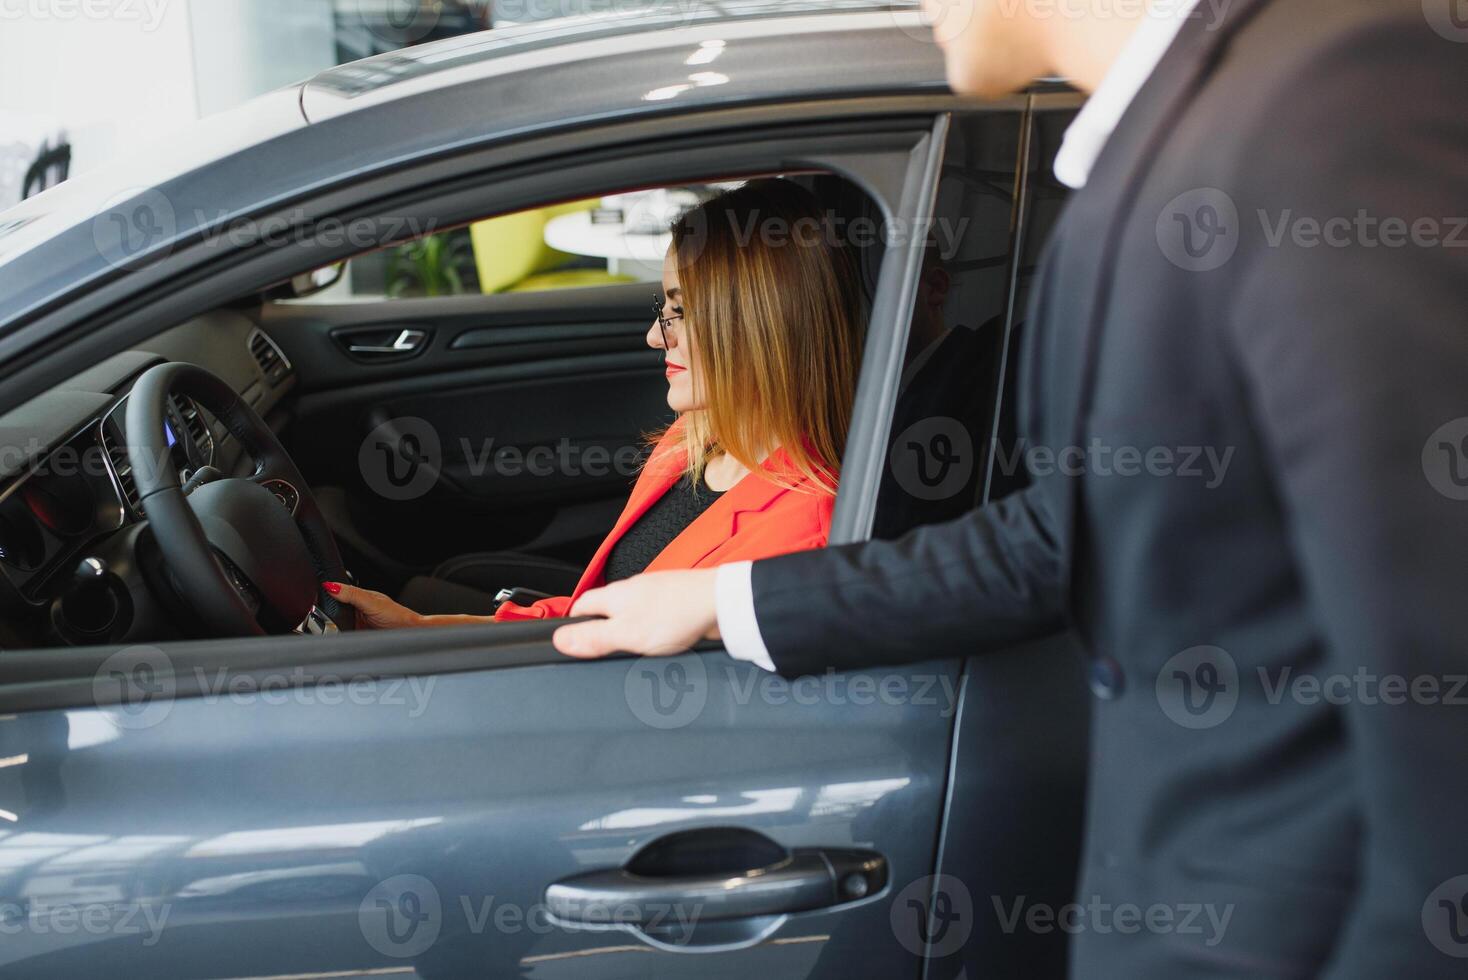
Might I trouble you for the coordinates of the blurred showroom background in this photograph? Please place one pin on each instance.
(85, 82)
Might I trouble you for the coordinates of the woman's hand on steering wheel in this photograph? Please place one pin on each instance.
(375, 611)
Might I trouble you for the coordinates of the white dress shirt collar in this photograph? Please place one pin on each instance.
(1095, 123)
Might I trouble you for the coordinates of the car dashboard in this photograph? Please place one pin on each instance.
(74, 547)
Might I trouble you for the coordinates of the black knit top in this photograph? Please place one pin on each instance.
(657, 527)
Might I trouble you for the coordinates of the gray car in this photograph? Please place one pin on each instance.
(206, 772)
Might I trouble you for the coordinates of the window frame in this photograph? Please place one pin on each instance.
(894, 156)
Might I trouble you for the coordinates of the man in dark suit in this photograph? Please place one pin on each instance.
(1247, 369)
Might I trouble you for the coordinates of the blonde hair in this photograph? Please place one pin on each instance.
(774, 310)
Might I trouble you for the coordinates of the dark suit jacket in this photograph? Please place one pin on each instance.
(1328, 365)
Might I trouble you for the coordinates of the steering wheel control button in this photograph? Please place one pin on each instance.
(285, 493)
(236, 578)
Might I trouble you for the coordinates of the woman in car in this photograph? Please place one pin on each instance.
(761, 322)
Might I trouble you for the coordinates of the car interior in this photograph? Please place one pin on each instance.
(461, 414)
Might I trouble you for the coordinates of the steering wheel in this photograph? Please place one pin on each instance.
(239, 557)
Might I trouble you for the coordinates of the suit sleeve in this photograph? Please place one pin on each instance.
(987, 580)
(1355, 358)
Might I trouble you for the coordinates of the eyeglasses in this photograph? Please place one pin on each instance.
(658, 302)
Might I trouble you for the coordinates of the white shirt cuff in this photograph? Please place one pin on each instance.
(734, 602)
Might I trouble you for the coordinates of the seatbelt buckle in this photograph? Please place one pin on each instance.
(518, 596)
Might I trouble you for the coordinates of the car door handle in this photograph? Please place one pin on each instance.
(406, 342)
(805, 880)
(377, 345)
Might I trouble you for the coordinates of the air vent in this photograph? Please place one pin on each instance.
(122, 470)
(272, 361)
(198, 427)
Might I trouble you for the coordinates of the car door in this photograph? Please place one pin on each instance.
(445, 803)
(531, 818)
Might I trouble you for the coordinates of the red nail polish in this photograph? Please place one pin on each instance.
(332, 588)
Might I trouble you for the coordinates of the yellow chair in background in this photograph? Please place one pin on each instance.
(512, 257)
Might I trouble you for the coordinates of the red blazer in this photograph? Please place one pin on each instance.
(754, 519)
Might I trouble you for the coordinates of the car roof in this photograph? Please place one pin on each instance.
(416, 69)
(470, 91)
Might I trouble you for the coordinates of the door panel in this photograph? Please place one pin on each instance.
(529, 410)
(413, 827)
(467, 331)
(308, 828)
